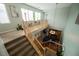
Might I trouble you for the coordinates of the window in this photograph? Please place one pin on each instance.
(27, 15)
(37, 16)
(24, 14)
(3, 15)
(30, 15)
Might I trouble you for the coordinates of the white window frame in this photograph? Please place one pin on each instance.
(37, 16)
(31, 15)
(27, 16)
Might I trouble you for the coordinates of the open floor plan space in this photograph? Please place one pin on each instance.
(39, 29)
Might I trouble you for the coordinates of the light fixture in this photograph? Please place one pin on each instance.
(52, 32)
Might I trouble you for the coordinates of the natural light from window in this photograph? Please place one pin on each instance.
(3, 15)
(27, 15)
(31, 15)
(37, 16)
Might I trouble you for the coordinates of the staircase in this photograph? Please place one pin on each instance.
(20, 47)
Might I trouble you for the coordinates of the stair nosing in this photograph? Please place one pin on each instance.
(13, 45)
(31, 52)
(25, 51)
(16, 50)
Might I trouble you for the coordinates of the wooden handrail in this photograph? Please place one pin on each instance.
(41, 50)
(33, 40)
(53, 42)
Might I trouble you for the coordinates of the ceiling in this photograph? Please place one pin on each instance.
(46, 7)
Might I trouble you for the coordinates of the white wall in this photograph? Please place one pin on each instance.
(59, 20)
(15, 21)
(71, 33)
(3, 51)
